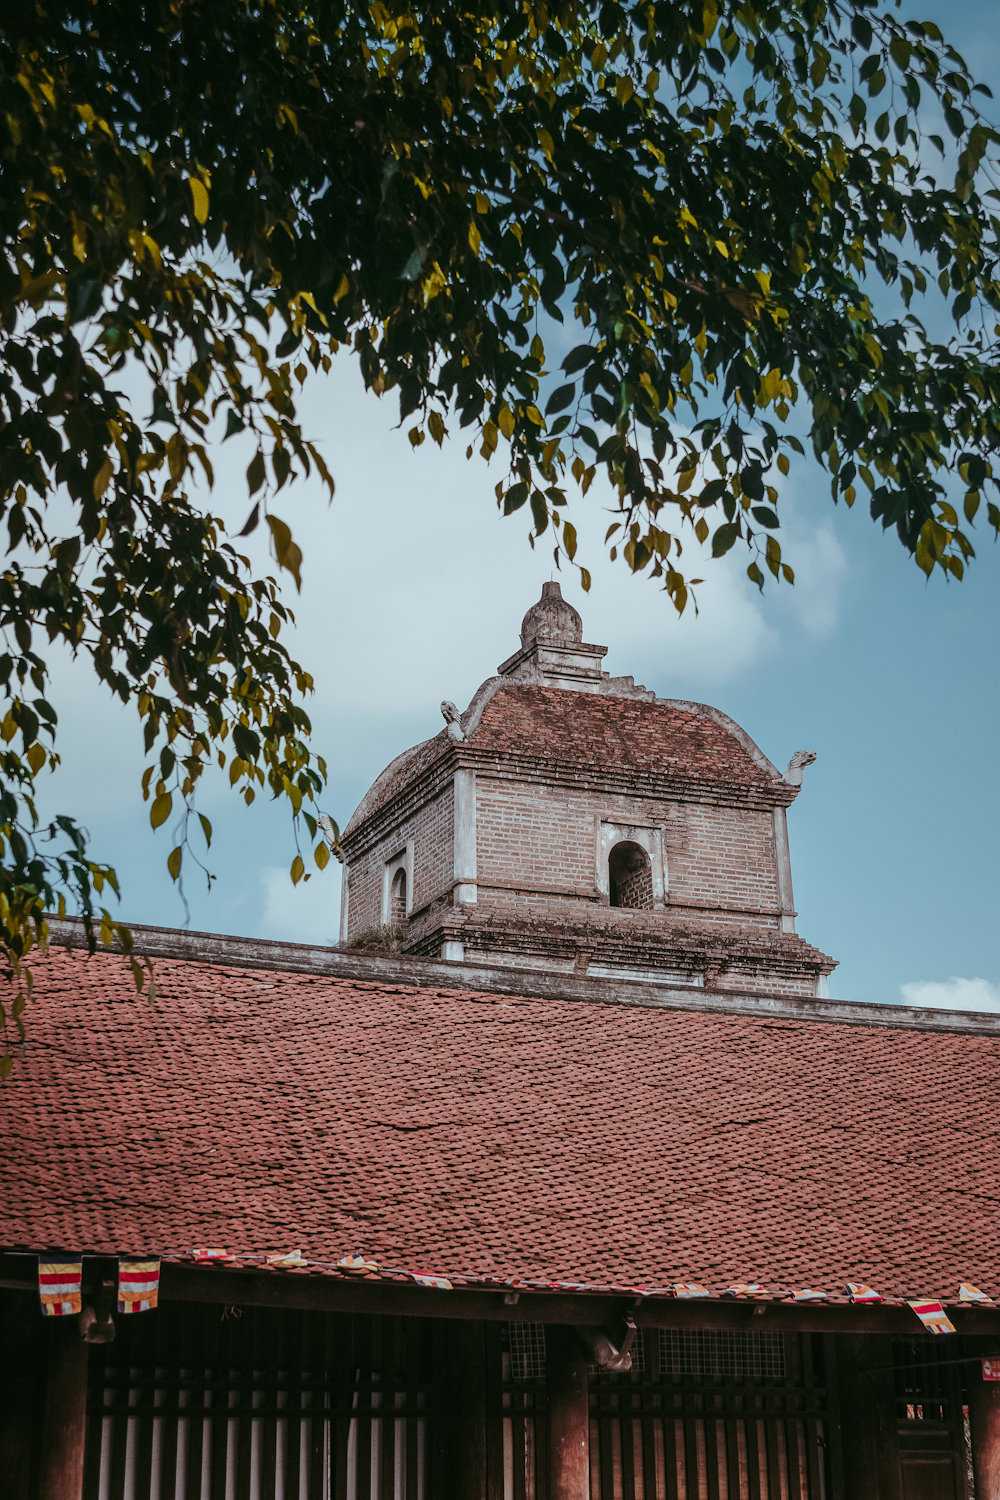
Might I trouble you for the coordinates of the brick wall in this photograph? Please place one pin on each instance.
(534, 835)
(540, 841)
(432, 829)
(722, 856)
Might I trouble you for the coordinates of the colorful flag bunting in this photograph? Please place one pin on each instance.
(969, 1293)
(59, 1286)
(858, 1292)
(991, 1369)
(288, 1260)
(746, 1289)
(933, 1316)
(686, 1289)
(808, 1295)
(439, 1283)
(357, 1265)
(138, 1285)
(212, 1255)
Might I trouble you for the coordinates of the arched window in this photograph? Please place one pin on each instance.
(397, 899)
(630, 878)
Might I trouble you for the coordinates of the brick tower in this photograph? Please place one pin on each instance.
(572, 821)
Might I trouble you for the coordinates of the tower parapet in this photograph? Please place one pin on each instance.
(573, 821)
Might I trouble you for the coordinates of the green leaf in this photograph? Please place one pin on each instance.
(206, 829)
(724, 538)
(246, 742)
(560, 399)
(251, 522)
(578, 358)
(539, 511)
(712, 493)
(954, 121)
(298, 869)
(765, 516)
(255, 473)
(174, 861)
(285, 550)
(160, 810)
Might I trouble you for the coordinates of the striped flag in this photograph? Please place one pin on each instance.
(59, 1286)
(357, 1265)
(688, 1289)
(933, 1316)
(288, 1260)
(858, 1292)
(969, 1293)
(439, 1283)
(138, 1285)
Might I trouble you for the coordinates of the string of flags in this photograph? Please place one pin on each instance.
(933, 1317)
(138, 1285)
(60, 1284)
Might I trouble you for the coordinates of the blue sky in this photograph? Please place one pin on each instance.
(413, 591)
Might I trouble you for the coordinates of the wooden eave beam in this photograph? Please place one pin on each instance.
(244, 1288)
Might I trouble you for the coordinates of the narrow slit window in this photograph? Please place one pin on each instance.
(397, 899)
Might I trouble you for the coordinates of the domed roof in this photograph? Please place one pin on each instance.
(552, 621)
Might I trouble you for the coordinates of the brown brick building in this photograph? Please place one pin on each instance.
(572, 821)
(589, 1195)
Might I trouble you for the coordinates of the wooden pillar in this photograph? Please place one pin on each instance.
(64, 1416)
(22, 1394)
(464, 1385)
(569, 1414)
(984, 1426)
(868, 1428)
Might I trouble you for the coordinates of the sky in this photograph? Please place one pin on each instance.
(413, 591)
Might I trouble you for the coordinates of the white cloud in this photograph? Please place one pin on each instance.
(820, 567)
(413, 591)
(952, 994)
(308, 913)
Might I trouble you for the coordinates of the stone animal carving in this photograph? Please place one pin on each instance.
(450, 714)
(797, 765)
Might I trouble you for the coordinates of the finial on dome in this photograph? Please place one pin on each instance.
(552, 621)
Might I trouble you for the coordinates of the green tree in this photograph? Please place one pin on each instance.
(732, 201)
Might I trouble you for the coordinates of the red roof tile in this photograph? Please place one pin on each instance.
(665, 748)
(661, 739)
(473, 1133)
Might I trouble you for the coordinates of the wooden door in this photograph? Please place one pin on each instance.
(931, 1418)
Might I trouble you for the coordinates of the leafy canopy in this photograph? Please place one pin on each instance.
(731, 200)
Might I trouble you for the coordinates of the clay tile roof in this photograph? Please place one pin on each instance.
(471, 1133)
(661, 738)
(665, 746)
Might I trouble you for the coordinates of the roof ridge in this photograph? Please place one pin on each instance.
(465, 978)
